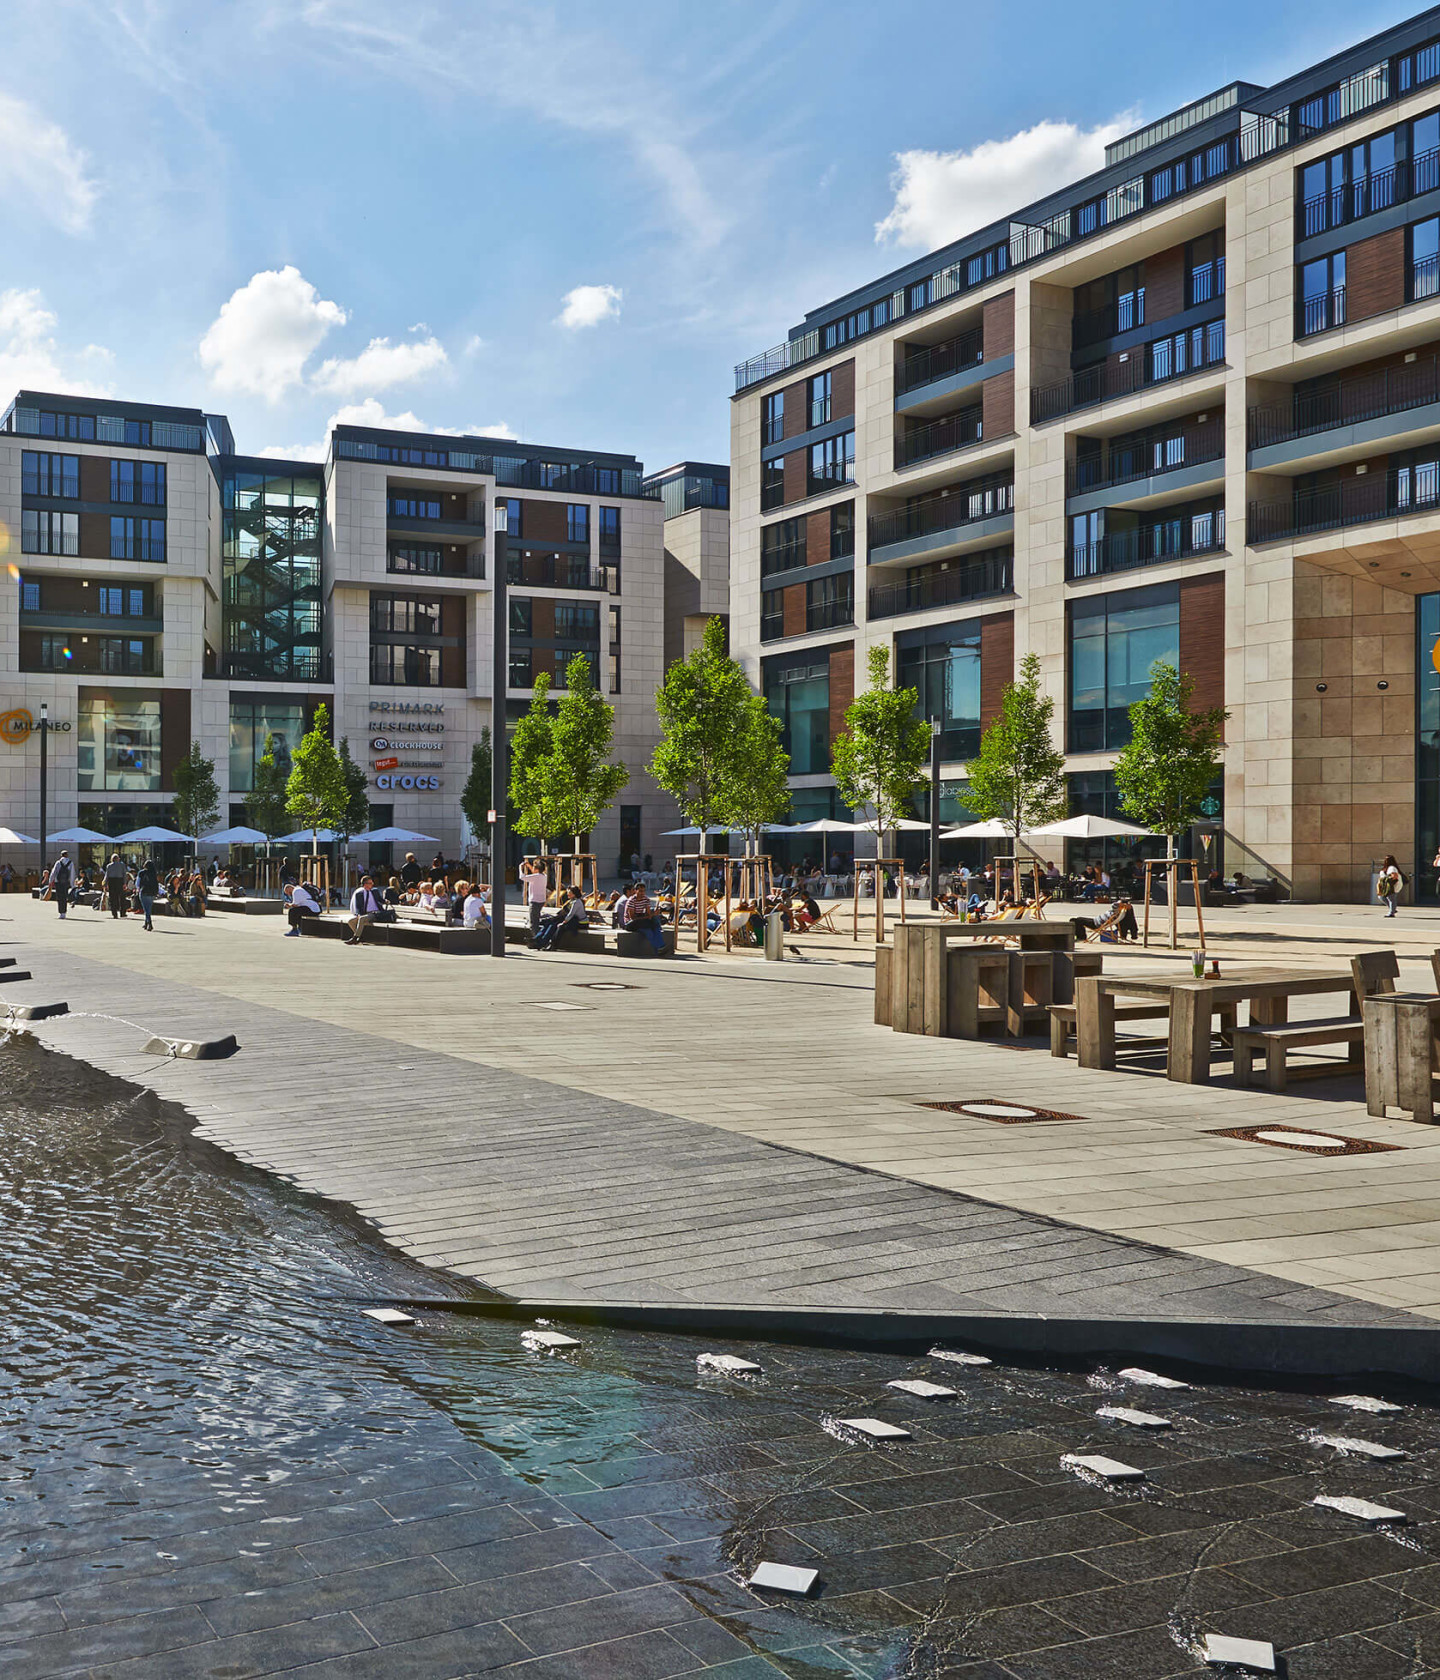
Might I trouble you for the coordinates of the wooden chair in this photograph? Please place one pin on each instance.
(1377, 971)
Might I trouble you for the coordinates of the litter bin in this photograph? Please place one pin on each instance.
(775, 937)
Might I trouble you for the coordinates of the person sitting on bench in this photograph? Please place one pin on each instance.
(639, 917)
(301, 903)
(473, 912)
(567, 922)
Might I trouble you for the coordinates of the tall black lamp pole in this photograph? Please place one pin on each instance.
(44, 776)
(934, 813)
(499, 746)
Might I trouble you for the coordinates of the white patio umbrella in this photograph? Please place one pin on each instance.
(323, 835)
(11, 837)
(154, 834)
(237, 836)
(831, 825)
(991, 829)
(81, 836)
(396, 834)
(1087, 828)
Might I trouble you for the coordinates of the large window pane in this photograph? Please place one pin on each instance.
(118, 742)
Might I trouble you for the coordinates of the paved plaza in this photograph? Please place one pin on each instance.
(780, 1054)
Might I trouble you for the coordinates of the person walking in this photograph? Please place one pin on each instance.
(115, 873)
(147, 885)
(536, 885)
(1391, 884)
(60, 878)
(365, 906)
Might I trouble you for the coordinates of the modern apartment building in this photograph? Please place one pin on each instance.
(1186, 409)
(696, 497)
(167, 589)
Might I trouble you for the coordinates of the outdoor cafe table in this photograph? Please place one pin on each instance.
(1192, 1005)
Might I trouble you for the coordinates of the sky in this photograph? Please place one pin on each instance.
(560, 223)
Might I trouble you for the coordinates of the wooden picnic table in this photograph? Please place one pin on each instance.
(1192, 1006)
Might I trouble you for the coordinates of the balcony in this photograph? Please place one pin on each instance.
(969, 512)
(462, 530)
(1378, 191)
(561, 571)
(1148, 545)
(829, 615)
(1166, 361)
(413, 560)
(988, 575)
(939, 361)
(940, 437)
(1134, 460)
(1358, 500)
(1349, 402)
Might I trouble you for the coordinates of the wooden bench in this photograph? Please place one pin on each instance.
(1275, 1040)
(1062, 1021)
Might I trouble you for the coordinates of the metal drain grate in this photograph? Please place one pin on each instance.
(606, 986)
(1000, 1111)
(1308, 1142)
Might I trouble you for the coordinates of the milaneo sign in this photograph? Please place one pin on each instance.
(18, 724)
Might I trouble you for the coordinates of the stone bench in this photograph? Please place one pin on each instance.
(629, 944)
(1274, 1041)
(243, 906)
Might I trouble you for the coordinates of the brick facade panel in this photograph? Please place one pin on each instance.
(797, 409)
(999, 327)
(842, 391)
(1202, 637)
(842, 687)
(792, 599)
(542, 522)
(1375, 275)
(817, 537)
(795, 476)
(997, 397)
(1165, 284)
(997, 662)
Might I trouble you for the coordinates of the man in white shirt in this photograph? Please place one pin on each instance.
(302, 903)
(365, 906)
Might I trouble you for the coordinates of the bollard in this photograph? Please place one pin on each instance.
(775, 937)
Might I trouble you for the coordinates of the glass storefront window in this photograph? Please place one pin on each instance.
(252, 722)
(1114, 642)
(797, 691)
(942, 665)
(117, 741)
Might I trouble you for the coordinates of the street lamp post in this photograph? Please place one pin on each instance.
(499, 746)
(44, 776)
(934, 813)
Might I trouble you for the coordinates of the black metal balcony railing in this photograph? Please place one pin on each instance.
(1148, 545)
(1123, 315)
(989, 575)
(1346, 402)
(1424, 278)
(560, 571)
(984, 498)
(940, 437)
(1146, 457)
(1357, 500)
(1148, 365)
(939, 361)
(1319, 314)
(829, 615)
(772, 626)
(1350, 202)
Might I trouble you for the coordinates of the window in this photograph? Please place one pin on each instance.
(577, 621)
(404, 667)
(797, 691)
(80, 428)
(919, 296)
(609, 527)
(608, 481)
(49, 475)
(520, 615)
(942, 665)
(1322, 295)
(521, 671)
(42, 532)
(563, 659)
(830, 601)
(832, 462)
(122, 656)
(1205, 269)
(842, 530)
(415, 557)
(772, 484)
(772, 615)
(55, 653)
(512, 506)
(137, 433)
(577, 522)
(112, 602)
(414, 507)
(1185, 352)
(137, 539)
(821, 387)
(138, 481)
(772, 419)
(782, 546)
(1113, 304)
(117, 742)
(135, 602)
(1425, 258)
(1114, 641)
(253, 725)
(857, 325)
(29, 597)
(405, 615)
(1425, 153)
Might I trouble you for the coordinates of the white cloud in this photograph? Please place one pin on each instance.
(40, 167)
(29, 355)
(265, 333)
(371, 412)
(473, 345)
(588, 306)
(941, 195)
(378, 366)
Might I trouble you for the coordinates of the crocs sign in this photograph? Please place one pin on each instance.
(408, 784)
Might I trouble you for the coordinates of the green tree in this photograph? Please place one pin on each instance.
(316, 794)
(756, 790)
(1018, 777)
(357, 793)
(877, 760)
(475, 795)
(1173, 756)
(197, 793)
(579, 781)
(702, 705)
(529, 748)
(266, 803)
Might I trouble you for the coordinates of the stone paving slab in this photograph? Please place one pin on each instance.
(614, 1199)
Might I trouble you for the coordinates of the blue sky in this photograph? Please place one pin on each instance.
(565, 221)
